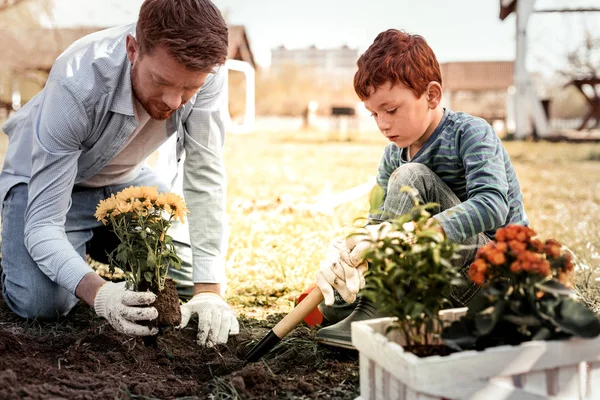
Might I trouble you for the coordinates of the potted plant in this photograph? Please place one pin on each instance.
(141, 217)
(411, 276)
(501, 346)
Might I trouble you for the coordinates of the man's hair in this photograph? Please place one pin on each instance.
(193, 31)
(396, 57)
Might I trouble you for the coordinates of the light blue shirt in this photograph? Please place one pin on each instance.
(81, 120)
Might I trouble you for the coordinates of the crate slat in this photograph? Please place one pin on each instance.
(531, 371)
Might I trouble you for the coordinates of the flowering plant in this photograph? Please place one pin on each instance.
(526, 294)
(140, 217)
(411, 275)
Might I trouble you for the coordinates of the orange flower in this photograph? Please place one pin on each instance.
(476, 277)
(500, 235)
(566, 278)
(552, 248)
(517, 247)
(515, 267)
(496, 258)
(502, 246)
(537, 245)
(479, 265)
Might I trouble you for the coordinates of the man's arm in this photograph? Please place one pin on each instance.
(204, 182)
(58, 131)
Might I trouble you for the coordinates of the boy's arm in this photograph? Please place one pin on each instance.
(59, 127)
(487, 188)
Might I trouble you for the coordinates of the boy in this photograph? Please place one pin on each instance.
(450, 158)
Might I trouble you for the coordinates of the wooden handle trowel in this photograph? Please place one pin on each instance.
(284, 326)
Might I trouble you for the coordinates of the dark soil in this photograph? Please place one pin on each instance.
(166, 303)
(82, 357)
(429, 350)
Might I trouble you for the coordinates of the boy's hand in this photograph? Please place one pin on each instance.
(342, 270)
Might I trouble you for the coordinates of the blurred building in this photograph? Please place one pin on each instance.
(480, 88)
(336, 62)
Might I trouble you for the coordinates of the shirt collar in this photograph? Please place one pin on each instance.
(123, 99)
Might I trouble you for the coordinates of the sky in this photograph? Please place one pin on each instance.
(457, 30)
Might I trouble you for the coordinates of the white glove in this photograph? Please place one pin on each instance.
(216, 320)
(345, 266)
(121, 307)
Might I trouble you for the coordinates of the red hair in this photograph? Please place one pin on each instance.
(396, 57)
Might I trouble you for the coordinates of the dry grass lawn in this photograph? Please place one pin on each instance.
(277, 242)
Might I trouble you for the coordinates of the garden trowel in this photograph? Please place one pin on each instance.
(284, 326)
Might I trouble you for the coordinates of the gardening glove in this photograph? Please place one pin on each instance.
(358, 244)
(344, 267)
(216, 320)
(121, 307)
(337, 272)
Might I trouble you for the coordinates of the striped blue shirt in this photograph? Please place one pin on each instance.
(465, 152)
(80, 121)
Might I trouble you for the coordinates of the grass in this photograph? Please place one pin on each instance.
(276, 246)
(276, 243)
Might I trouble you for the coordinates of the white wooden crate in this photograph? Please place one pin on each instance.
(567, 369)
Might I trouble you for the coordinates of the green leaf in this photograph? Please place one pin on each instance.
(148, 276)
(376, 198)
(552, 286)
(458, 336)
(576, 319)
(487, 319)
(151, 260)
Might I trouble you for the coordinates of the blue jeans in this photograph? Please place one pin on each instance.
(27, 290)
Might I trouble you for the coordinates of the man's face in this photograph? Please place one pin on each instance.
(159, 82)
(401, 116)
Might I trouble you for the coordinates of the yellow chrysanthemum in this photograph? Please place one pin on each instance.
(147, 194)
(105, 208)
(122, 208)
(128, 194)
(177, 205)
(161, 203)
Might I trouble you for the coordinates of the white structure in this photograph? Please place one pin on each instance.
(528, 110)
(247, 125)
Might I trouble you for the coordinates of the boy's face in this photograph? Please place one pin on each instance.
(401, 116)
(159, 82)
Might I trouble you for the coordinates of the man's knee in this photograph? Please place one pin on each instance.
(36, 302)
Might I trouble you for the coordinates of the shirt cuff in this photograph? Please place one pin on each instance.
(209, 270)
(70, 275)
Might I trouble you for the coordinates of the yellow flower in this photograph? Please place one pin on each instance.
(105, 208)
(147, 193)
(122, 208)
(177, 206)
(128, 194)
(161, 203)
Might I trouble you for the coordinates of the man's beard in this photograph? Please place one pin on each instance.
(153, 112)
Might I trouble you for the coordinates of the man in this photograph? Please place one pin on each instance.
(111, 99)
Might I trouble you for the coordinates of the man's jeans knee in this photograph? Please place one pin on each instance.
(27, 291)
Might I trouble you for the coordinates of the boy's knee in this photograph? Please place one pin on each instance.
(406, 173)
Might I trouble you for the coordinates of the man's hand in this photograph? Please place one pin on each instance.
(216, 320)
(122, 307)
